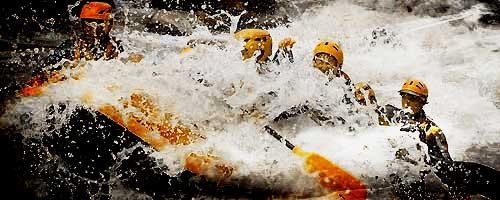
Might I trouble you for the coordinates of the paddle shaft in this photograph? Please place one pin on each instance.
(279, 137)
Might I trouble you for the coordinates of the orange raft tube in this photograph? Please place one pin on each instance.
(138, 114)
(147, 122)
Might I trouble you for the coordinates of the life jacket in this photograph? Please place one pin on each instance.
(433, 136)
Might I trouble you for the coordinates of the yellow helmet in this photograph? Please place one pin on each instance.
(256, 39)
(330, 48)
(415, 87)
(361, 89)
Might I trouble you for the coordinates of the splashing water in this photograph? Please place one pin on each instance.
(459, 64)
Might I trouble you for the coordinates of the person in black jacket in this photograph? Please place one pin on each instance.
(95, 43)
(328, 58)
(462, 178)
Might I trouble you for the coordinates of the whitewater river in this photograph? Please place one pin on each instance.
(458, 60)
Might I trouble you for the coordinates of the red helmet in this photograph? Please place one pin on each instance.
(96, 10)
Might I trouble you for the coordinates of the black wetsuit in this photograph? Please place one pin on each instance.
(461, 177)
(72, 50)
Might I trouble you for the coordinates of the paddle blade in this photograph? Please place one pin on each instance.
(333, 177)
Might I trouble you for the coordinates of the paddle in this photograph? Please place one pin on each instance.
(341, 182)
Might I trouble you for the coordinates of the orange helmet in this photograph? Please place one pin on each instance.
(255, 39)
(331, 48)
(415, 87)
(96, 10)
